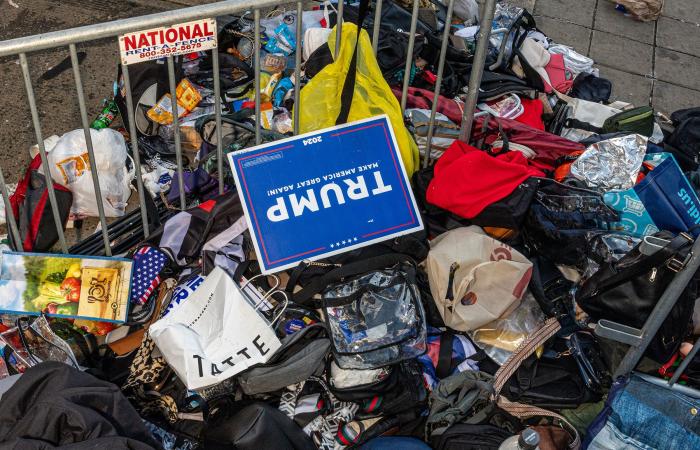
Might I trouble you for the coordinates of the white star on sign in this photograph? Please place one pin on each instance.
(354, 239)
(331, 245)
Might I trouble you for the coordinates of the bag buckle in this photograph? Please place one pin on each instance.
(676, 265)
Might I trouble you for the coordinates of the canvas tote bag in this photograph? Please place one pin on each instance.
(474, 278)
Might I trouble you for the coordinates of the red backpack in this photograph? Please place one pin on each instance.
(32, 209)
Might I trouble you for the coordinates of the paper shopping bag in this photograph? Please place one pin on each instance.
(215, 334)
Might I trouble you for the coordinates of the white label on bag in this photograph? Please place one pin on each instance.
(177, 39)
(215, 334)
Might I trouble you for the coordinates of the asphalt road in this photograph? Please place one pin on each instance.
(56, 98)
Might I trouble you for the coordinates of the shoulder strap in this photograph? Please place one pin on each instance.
(349, 84)
(677, 244)
(525, 349)
(522, 411)
(443, 369)
(579, 124)
(317, 286)
(300, 269)
(519, 410)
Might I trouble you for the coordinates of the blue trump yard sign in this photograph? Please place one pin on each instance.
(324, 193)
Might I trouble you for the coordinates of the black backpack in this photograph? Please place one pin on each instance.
(684, 141)
(414, 246)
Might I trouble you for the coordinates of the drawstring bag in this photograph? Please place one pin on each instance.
(353, 88)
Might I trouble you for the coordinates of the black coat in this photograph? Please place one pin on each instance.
(54, 405)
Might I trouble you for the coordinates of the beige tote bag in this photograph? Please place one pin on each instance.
(474, 278)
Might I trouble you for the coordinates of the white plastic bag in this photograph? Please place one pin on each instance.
(467, 10)
(70, 166)
(313, 39)
(309, 19)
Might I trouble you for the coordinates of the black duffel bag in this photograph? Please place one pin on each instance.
(562, 219)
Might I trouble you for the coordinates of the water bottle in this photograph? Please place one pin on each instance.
(529, 439)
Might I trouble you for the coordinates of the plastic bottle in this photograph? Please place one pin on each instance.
(529, 439)
(106, 117)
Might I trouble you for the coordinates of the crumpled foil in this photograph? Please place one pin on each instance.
(611, 164)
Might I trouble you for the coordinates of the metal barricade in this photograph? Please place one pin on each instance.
(638, 339)
(69, 38)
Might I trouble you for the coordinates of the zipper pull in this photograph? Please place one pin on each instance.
(652, 277)
(450, 283)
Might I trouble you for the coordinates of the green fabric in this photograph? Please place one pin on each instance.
(582, 417)
(463, 397)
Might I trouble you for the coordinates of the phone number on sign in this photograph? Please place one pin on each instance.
(171, 50)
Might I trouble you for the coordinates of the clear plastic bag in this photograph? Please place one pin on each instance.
(375, 320)
(502, 336)
(607, 248)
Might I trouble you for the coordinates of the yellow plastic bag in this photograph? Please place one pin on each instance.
(320, 98)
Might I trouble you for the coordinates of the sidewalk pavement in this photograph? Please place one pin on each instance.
(655, 63)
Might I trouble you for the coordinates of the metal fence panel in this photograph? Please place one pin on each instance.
(59, 39)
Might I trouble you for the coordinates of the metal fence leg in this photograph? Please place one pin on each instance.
(217, 117)
(339, 28)
(438, 82)
(133, 136)
(42, 150)
(660, 312)
(176, 131)
(297, 69)
(256, 63)
(482, 46)
(686, 362)
(375, 28)
(409, 55)
(90, 148)
(9, 215)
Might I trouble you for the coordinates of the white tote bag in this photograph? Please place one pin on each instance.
(215, 334)
(474, 278)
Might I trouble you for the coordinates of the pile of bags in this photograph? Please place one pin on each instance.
(561, 210)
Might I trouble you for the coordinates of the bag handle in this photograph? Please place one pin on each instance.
(578, 124)
(349, 84)
(677, 244)
(486, 126)
(525, 349)
(305, 295)
(522, 411)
